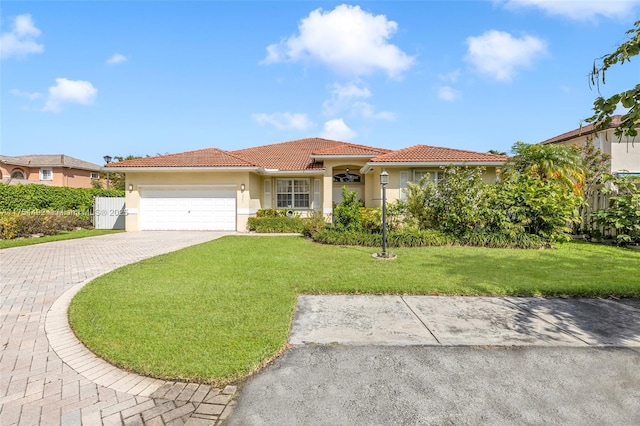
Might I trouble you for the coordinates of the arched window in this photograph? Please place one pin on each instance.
(346, 177)
(17, 174)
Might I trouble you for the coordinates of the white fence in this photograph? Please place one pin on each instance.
(597, 201)
(109, 213)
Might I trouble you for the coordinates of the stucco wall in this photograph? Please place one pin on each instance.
(244, 200)
(625, 154)
(374, 189)
(73, 178)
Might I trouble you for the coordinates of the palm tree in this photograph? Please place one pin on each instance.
(549, 161)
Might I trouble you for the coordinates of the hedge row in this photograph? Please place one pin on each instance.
(26, 198)
(21, 225)
(409, 237)
(276, 224)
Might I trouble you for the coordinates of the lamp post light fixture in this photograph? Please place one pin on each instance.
(107, 159)
(384, 180)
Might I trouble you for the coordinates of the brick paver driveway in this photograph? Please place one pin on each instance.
(38, 383)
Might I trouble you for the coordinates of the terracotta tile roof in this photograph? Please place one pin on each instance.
(210, 157)
(49, 160)
(436, 154)
(296, 155)
(351, 149)
(581, 131)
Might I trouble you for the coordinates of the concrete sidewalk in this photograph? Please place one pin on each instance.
(465, 321)
(422, 360)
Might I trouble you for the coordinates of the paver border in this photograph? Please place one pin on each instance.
(72, 352)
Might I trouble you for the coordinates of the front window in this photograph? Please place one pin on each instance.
(434, 176)
(95, 175)
(17, 174)
(293, 193)
(346, 177)
(46, 174)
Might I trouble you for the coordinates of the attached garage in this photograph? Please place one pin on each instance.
(187, 208)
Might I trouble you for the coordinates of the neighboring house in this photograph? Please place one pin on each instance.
(212, 189)
(54, 170)
(625, 153)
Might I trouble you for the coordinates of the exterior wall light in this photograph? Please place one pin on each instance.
(242, 187)
(130, 187)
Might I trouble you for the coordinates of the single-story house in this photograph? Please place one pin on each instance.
(54, 170)
(212, 189)
(625, 153)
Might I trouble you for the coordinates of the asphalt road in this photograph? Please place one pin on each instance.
(430, 385)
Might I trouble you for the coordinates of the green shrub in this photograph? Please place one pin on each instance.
(401, 238)
(412, 237)
(278, 224)
(339, 237)
(275, 213)
(29, 198)
(492, 239)
(542, 207)
(20, 225)
(417, 207)
(623, 213)
(371, 219)
(346, 215)
(314, 223)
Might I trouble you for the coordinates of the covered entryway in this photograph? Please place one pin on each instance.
(188, 208)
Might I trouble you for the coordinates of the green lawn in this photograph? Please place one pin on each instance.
(217, 311)
(65, 235)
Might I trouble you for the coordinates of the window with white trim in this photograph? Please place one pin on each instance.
(434, 176)
(293, 193)
(46, 174)
(95, 175)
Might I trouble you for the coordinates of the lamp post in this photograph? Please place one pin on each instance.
(107, 159)
(384, 180)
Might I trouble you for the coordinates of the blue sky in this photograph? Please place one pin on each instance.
(93, 78)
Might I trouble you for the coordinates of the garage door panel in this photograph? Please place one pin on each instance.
(188, 210)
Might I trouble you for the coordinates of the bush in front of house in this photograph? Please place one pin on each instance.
(35, 197)
(623, 212)
(277, 224)
(23, 225)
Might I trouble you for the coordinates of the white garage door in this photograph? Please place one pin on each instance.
(178, 209)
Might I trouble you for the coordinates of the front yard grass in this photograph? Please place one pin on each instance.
(64, 235)
(218, 311)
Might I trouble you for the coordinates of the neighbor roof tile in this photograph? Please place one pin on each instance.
(210, 157)
(581, 131)
(436, 154)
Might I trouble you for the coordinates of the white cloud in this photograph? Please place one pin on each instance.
(447, 93)
(499, 54)
(342, 96)
(21, 40)
(450, 76)
(347, 40)
(579, 10)
(284, 120)
(337, 129)
(347, 97)
(117, 58)
(366, 110)
(28, 95)
(69, 92)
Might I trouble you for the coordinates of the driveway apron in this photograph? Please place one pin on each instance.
(47, 377)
